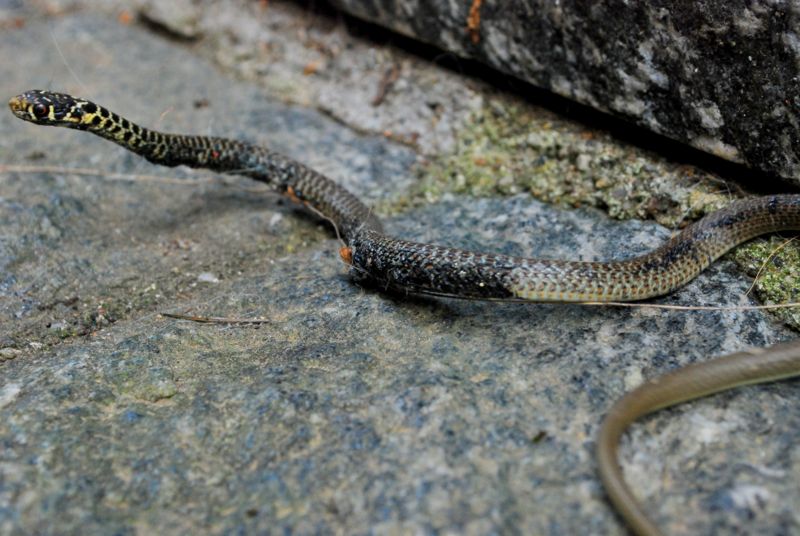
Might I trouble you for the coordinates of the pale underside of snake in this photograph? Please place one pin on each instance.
(418, 268)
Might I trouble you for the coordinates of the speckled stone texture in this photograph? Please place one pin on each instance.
(721, 76)
(349, 411)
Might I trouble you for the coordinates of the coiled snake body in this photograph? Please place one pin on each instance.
(436, 270)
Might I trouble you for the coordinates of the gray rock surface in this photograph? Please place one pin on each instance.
(350, 410)
(721, 76)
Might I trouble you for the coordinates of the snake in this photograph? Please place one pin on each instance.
(395, 264)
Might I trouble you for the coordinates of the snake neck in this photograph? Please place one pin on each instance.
(301, 183)
(159, 147)
(106, 124)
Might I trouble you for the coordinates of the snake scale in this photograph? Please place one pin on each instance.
(419, 268)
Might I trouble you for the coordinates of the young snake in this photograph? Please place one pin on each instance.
(436, 270)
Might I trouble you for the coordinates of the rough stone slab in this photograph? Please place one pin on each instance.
(720, 76)
(144, 252)
(350, 411)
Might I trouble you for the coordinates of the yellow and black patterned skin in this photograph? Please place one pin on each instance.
(288, 176)
(425, 268)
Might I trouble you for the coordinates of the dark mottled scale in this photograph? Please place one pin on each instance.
(431, 269)
(435, 270)
(424, 268)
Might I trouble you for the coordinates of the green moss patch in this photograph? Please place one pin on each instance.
(507, 148)
(775, 263)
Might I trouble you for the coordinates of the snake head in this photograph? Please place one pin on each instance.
(48, 108)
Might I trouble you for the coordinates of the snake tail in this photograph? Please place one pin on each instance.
(693, 381)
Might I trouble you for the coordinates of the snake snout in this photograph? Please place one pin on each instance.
(16, 104)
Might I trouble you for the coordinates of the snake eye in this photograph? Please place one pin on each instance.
(40, 110)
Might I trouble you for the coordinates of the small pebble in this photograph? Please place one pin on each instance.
(583, 162)
(207, 277)
(275, 220)
(8, 353)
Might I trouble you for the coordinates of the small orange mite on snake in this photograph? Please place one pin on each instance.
(346, 253)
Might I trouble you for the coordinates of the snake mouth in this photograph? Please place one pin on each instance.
(17, 104)
(20, 107)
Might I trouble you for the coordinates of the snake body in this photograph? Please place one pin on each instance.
(426, 268)
(436, 270)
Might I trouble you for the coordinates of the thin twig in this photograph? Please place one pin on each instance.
(89, 172)
(474, 22)
(98, 173)
(215, 319)
(766, 261)
(388, 79)
(319, 213)
(699, 307)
